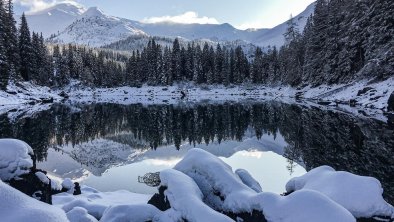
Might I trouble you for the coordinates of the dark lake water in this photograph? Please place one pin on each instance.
(107, 146)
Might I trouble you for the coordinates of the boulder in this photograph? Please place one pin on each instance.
(390, 103)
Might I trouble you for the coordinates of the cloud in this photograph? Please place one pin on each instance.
(250, 25)
(185, 18)
(38, 5)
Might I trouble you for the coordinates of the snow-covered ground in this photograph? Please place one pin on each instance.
(202, 187)
(370, 97)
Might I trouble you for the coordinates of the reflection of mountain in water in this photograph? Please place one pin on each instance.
(313, 136)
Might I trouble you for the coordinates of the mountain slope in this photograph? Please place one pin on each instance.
(54, 19)
(94, 28)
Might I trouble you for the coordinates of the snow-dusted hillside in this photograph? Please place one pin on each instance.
(94, 28)
(54, 19)
(74, 24)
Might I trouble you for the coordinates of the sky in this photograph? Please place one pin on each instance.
(241, 14)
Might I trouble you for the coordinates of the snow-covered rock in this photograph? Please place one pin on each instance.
(14, 158)
(68, 184)
(224, 191)
(214, 176)
(248, 180)
(362, 196)
(186, 198)
(17, 207)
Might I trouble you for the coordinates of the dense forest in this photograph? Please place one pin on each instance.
(342, 41)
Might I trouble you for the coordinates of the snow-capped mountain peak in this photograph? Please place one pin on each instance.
(93, 12)
(95, 28)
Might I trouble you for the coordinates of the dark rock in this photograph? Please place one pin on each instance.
(247, 217)
(77, 189)
(299, 95)
(352, 102)
(32, 186)
(159, 200)
(324, 103)
(46, 100)
(390, 103)
(32, 102)
(12, 92)
(164, 89)
(375, 219)
(363, 91)
(64, 95)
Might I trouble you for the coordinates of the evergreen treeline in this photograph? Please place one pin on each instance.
(343, 40)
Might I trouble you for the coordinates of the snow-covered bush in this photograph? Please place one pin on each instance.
(14, 158)
(362, 196)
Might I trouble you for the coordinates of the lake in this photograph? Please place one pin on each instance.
(108, 146)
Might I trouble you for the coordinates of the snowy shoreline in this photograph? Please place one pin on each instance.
(361, 99)
(201, 187)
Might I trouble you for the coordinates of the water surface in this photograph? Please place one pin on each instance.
(107, 146)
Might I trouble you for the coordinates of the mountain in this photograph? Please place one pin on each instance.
(274, 36)
(95, 28)
(54, 19)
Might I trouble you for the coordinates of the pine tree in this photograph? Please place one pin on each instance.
(4, 74)
(25, 49)
(12, 41)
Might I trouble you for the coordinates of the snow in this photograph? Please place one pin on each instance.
(43, 178)
(69, 185)
(238, 198)
(302, 206)
(131, 213)
(218, 177)
(248, 180)
(14, 158)
(94, 202)
(185, 197)
(79, 214)
(18, 207)
(362, 196)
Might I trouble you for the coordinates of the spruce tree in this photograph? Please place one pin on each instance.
(4, 74)
(25, 49)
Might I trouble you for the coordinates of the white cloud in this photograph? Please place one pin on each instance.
(185, 18)
(250, 25)
(38, 5)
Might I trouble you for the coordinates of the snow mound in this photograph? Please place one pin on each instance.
(79, 214)
(217, 178)
(362, 196)
(14, 158)
(17, 207)
(248, 180)
(302, 206)
(186, 198)
(131, 213)
(224, 191)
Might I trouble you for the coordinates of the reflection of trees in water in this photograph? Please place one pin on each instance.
(314, 136)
